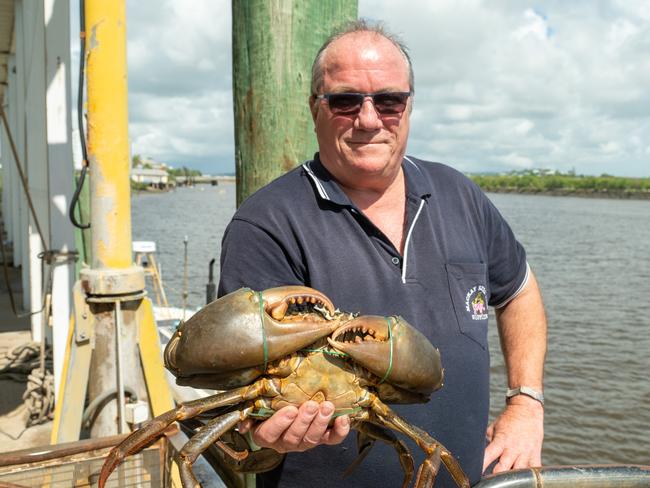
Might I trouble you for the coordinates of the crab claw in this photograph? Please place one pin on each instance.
(277, 300)
(237, 332)
(402, 356)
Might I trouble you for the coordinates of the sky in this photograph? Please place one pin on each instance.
(500, 85)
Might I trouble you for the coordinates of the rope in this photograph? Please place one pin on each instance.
(39, 397)
(266, 349)
(24, 364)
(390, 359)
(17, 363)
(51, 258)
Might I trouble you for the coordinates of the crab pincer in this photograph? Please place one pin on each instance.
(245, 330)
(393, 350)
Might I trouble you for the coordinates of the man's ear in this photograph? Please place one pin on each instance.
(313, 107)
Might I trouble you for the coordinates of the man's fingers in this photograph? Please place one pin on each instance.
(489, 433)
(318, 427)
(492, 453)
(506, 462)
(294, 435)
(299, 429)
(269, 431)
(245, 425)
(522, 462)
(338, 432)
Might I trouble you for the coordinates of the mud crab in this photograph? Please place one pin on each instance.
(284, 346)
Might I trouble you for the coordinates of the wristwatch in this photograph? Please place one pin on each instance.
(526, 390)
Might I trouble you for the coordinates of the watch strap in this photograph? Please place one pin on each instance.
(526, 390)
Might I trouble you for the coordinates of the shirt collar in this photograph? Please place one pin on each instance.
(328, 189)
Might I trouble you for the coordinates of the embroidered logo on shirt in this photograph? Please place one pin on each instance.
(475, 302)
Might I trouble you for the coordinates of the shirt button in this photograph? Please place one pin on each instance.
(395, 261)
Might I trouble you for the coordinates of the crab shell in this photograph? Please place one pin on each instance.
(229, 342)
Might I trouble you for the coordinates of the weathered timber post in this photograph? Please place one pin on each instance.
(273, 45)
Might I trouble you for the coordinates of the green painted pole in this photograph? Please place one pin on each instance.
(274, 43)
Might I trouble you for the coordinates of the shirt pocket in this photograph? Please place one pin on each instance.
(469, 295)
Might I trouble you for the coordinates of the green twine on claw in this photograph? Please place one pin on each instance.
(326, 350)
(390, 358)
(266, 349)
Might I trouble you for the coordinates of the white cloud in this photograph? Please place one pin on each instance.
(499, 84)
(517, 161)
(535, 25)
(548, 84)
(459, 112)
(610, 147)
(522, 128)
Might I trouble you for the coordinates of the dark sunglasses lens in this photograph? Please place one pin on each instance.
(345, 103)
(390, 103)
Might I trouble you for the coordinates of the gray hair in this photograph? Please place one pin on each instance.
(353, 27)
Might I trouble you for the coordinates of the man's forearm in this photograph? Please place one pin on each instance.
(522, 331)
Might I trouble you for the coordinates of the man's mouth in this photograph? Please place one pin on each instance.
(365, 143)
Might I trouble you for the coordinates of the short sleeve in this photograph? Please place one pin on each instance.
(251, 257)
(507, 267)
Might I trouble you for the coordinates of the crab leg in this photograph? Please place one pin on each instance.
(434, 450)
(205, 436)
(367, 434)
(156, 426)
(429, 469)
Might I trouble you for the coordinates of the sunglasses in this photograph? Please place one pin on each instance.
(388, 103)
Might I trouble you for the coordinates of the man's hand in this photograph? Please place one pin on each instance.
(515, 437)
(293, 429)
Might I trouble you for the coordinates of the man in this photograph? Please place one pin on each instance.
(383, 233)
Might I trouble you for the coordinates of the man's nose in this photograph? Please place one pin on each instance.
(368, 118)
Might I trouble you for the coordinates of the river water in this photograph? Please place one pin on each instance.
(592, 260)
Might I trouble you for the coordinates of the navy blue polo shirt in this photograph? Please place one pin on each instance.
(459, 256)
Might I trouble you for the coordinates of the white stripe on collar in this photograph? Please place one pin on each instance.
(408, 239)
(319, 185)
(409, 160)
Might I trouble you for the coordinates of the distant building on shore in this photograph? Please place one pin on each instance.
(155, 178)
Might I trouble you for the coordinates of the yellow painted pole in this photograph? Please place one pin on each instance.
(112, 314)
(113, 284)
(108, 141)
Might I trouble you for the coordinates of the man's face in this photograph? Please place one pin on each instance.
(365, 149)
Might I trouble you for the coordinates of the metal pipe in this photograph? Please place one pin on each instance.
(592, 476)
(211, 288)
(48, 453)
(89, 411)
(121, 418)
(185, 293)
